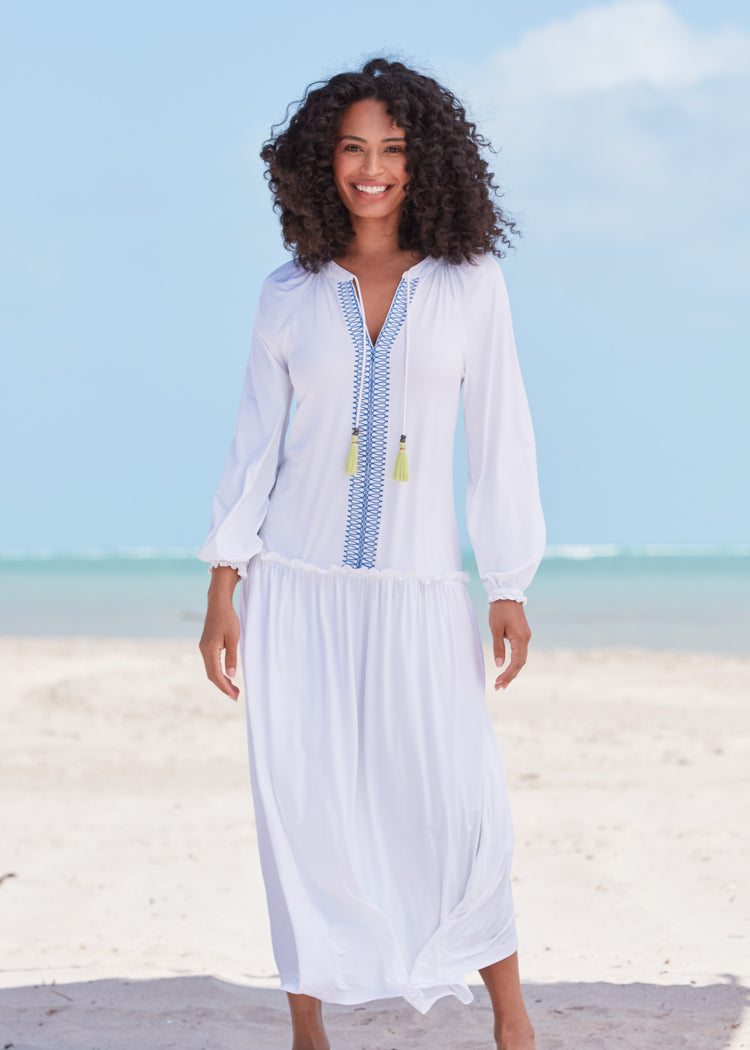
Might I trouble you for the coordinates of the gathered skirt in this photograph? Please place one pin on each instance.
(382, 817)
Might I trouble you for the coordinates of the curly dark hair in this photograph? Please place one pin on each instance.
(451, 211)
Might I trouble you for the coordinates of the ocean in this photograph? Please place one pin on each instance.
(653, 597)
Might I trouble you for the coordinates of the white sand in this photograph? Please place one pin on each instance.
(133, 916)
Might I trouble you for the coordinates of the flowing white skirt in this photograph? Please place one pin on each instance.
(383, 823)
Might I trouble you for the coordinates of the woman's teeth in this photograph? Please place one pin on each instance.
(372, 190)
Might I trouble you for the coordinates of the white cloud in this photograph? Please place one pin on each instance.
(622, 121)
(609, 46)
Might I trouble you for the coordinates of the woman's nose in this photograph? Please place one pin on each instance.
(371, 163)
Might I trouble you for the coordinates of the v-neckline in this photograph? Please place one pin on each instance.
(349, 276)
(374, 342)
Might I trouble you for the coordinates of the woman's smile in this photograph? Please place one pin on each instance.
(370, 191)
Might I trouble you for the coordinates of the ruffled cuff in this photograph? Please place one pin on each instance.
(240, 566)
(502, 592)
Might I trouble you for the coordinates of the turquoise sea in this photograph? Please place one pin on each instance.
(694, 599)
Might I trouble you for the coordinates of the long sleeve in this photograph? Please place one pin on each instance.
(241, 500)
(504, 514)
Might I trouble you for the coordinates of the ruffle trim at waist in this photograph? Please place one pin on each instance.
(450, 576)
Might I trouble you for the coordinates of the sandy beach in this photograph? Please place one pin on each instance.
(132, 912)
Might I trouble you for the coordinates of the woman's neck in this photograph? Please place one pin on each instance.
(374, 239)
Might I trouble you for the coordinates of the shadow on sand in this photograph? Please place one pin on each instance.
(204, 1013)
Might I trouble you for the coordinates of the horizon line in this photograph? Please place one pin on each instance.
(554, 551)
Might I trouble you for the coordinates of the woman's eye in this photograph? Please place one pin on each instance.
(352, 147)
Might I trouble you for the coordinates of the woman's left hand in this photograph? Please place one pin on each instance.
(508, 621)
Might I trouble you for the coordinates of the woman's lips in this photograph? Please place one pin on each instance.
(375, 191)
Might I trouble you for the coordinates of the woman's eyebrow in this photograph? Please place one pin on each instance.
(356, 138)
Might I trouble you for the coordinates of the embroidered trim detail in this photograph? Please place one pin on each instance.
(366, 487)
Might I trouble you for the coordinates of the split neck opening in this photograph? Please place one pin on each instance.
(340, 273)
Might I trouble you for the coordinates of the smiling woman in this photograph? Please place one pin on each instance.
(369, 164)
(451, 208)
(383, 822)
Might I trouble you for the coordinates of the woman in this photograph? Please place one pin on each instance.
(381, 811)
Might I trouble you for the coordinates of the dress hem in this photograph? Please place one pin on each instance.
(421, 996)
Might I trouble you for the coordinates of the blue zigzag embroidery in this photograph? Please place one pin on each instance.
(366, 487)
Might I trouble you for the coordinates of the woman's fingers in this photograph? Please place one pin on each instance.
(518, 654)
(217, 676)
(211, 653)
(230, 658)
(498, 646)
(221, 634)
(508, 621)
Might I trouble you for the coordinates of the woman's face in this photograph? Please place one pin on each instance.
(369, 161)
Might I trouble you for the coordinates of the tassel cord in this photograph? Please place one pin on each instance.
(401, 466)
(360, 390)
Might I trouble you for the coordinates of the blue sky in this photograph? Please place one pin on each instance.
(137, 228)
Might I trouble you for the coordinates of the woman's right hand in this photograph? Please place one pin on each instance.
(221, 631)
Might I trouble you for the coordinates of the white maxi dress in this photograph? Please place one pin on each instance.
(383, 824)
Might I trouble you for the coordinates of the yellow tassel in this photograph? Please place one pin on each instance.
(401, 468)
(352, 458)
